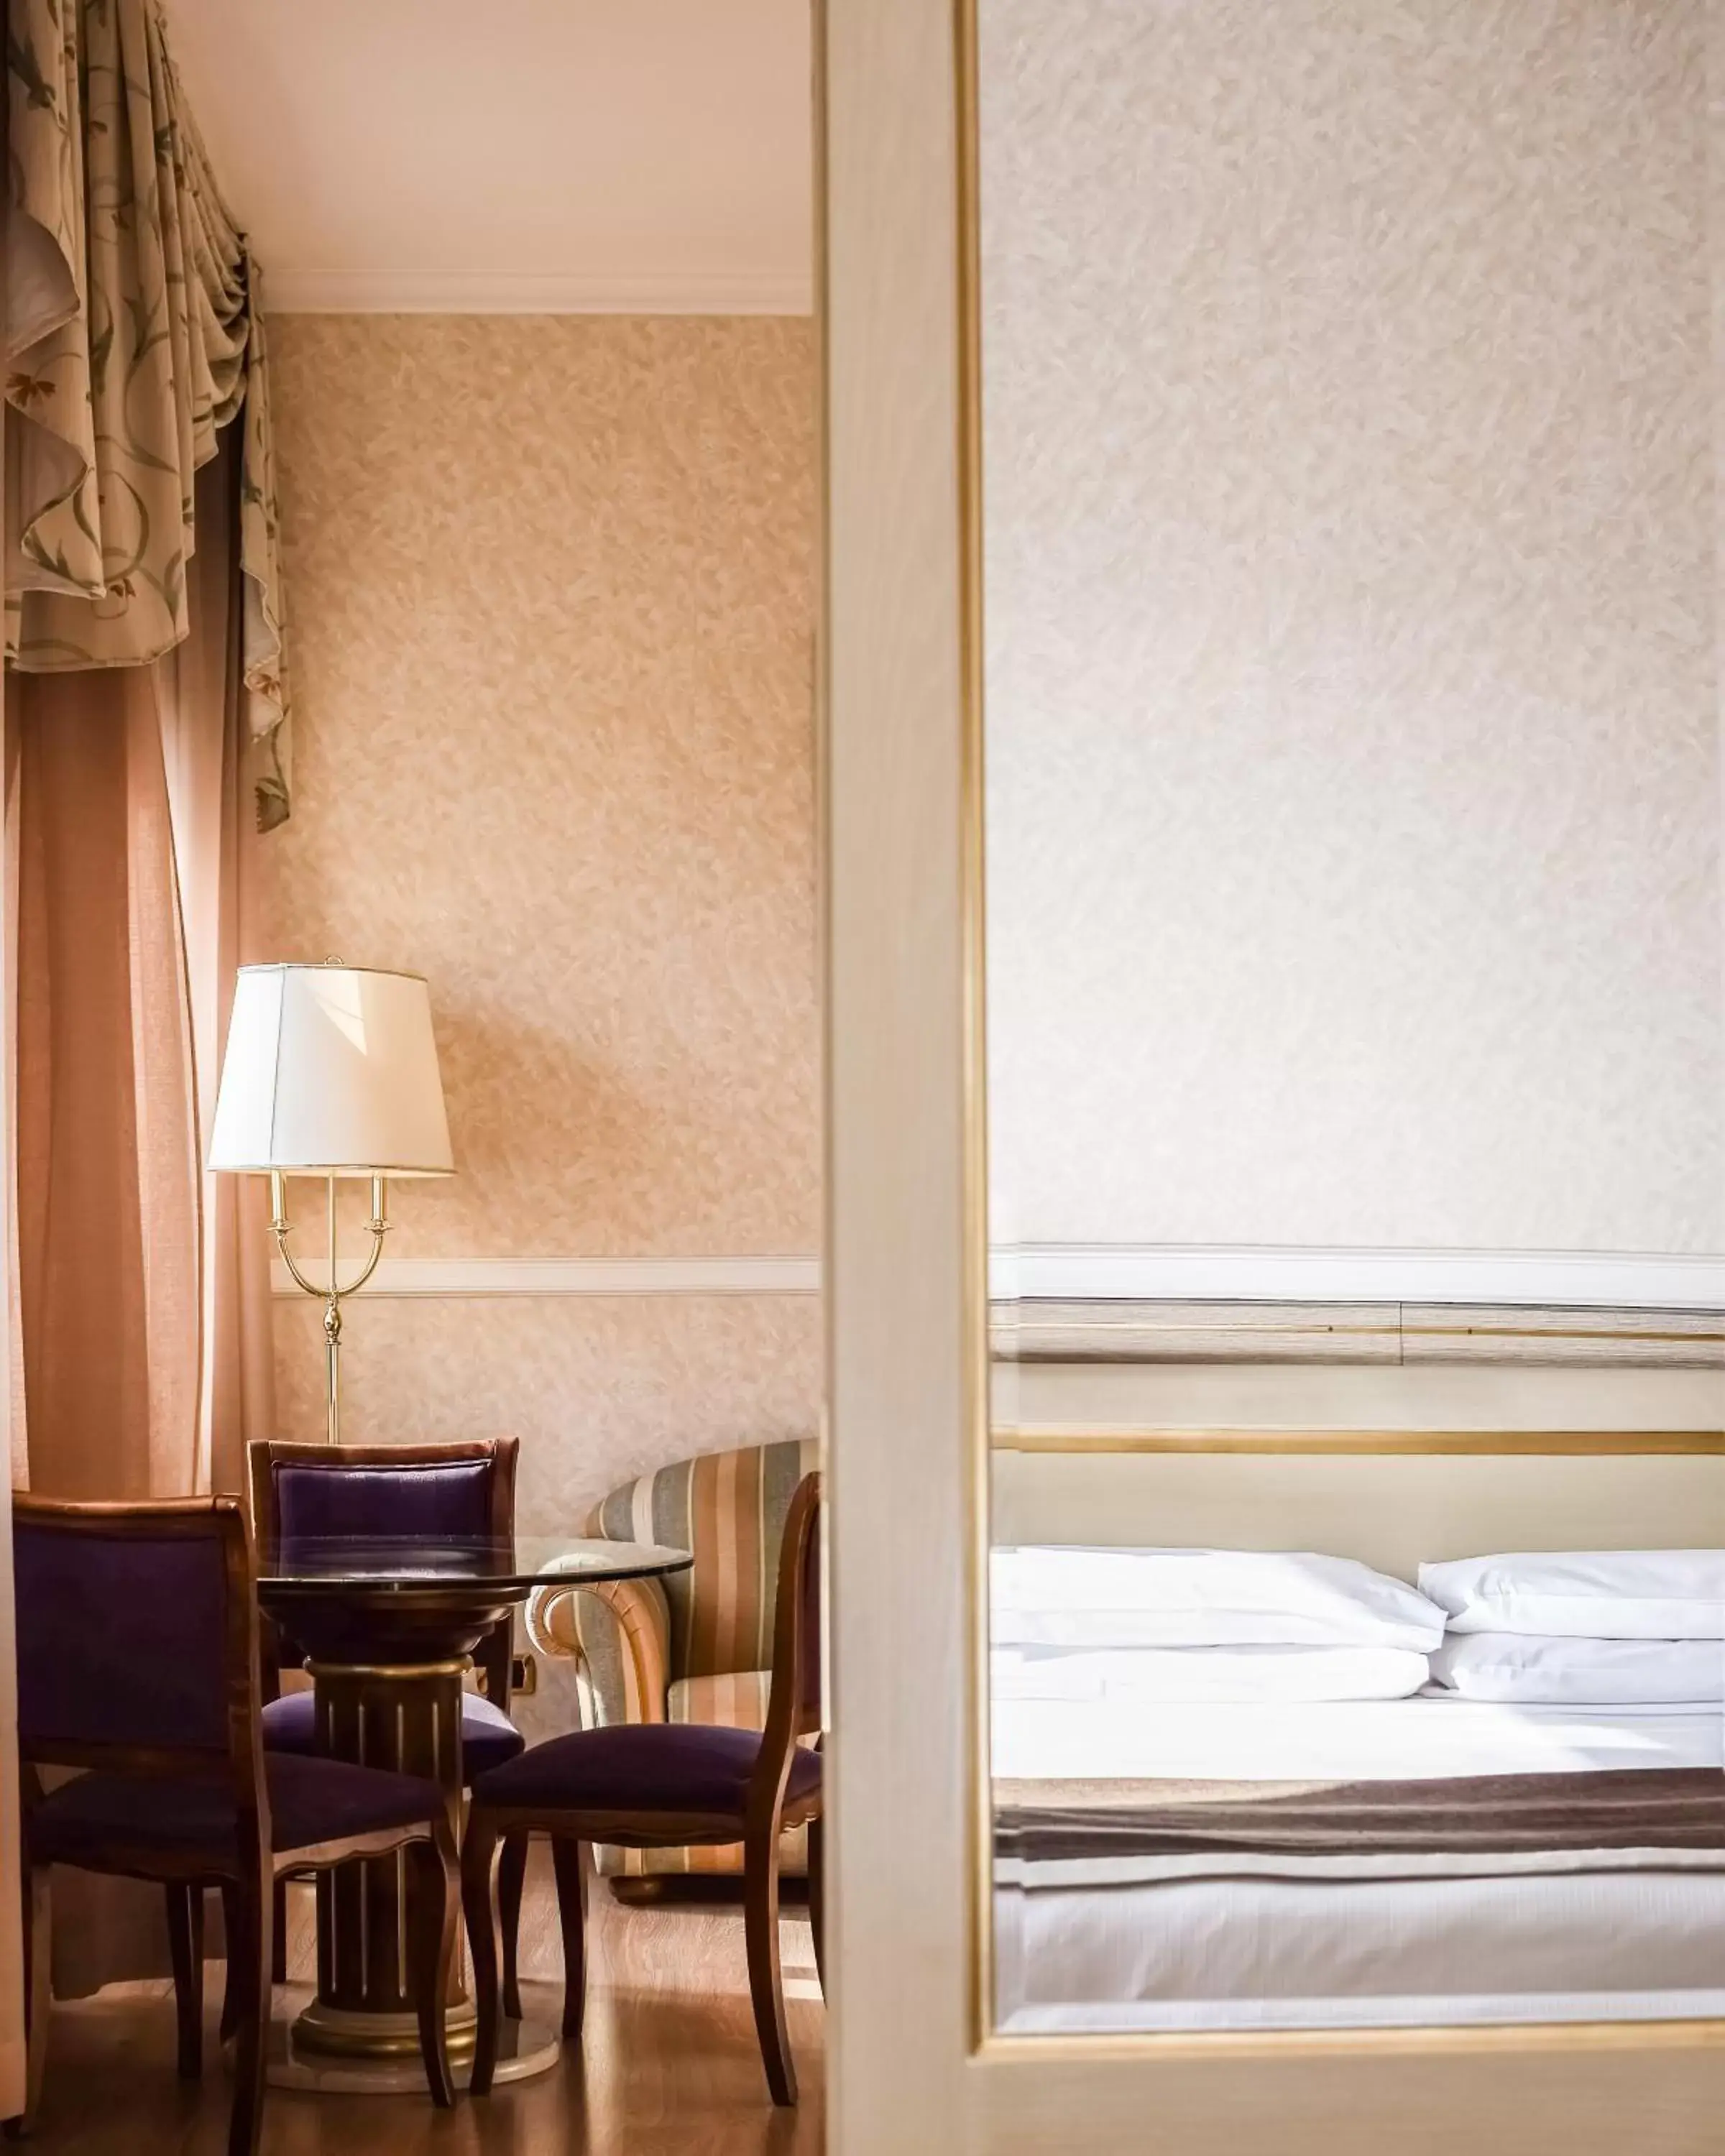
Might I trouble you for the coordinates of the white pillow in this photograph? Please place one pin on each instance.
(1065, 1597)
(1531, 1670)
(1235, 1675)
(1595, 1595)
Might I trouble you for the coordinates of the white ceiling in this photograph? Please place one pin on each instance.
(512, 155)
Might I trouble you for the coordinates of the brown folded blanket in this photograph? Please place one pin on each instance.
(1470, 1814)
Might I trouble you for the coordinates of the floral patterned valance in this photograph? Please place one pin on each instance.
(136, 332)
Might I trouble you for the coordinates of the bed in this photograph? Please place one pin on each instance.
(1177, 1865)
(1225, 1867)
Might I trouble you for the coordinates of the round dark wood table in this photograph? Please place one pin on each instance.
(388, 1629)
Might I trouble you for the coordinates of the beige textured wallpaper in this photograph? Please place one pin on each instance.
(1353, 607)
(551, 592)
(551, 583)
(597, 1387)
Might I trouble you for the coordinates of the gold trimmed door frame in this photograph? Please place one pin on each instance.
(913, 2067)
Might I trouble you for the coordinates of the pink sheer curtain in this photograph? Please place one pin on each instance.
(143, 1298)
(141, 1313)
(107, 1152)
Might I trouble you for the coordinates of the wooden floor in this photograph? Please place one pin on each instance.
(669, 2062)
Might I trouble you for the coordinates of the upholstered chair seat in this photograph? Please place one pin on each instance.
(489, 1738)
(661, 1767)
(311, 1801)
(696, 1648)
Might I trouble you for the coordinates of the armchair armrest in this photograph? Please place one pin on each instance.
(620, 1630)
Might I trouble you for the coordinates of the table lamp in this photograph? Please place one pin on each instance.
(330, 1070)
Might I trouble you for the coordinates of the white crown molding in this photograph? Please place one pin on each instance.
(472, 1276)
(506, 292)
(1554, 1279)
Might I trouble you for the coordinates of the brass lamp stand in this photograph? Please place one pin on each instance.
(334, 1295)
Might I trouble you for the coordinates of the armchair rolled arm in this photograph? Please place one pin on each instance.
(620, 1630)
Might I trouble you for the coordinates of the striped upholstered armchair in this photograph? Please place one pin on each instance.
(697, 1647)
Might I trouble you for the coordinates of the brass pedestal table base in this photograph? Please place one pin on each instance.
(526, 2048)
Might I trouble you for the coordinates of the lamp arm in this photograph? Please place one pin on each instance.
(280, 1227)
(281, 1230)
(378, 1230)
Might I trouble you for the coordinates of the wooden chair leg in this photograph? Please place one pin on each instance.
(232, 1987)
(479, 1857)
(185, 1940)
(760, 1910)
(249, 1961)
(38, 1994)
(817, 1896)
(277, 1933)
(512, 1883)
(569, 1860)
(435, 1898)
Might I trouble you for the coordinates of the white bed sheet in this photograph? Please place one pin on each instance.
(1430, 1735)
(1211, 1954)
(1172, 1944)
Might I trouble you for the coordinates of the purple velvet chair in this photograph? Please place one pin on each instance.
(456, 1492)
(659, 1784)
(178, 1788)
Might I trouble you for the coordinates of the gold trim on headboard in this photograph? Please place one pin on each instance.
(1054, 1437)
(1183, 1330)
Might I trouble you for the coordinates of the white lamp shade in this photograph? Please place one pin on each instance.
(330, 1070)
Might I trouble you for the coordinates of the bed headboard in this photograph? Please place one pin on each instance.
(1389, 1499)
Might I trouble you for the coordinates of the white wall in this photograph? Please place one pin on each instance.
(1352, 592)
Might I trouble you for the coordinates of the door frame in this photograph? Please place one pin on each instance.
(913, 2064)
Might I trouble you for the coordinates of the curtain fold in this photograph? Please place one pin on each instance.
(201, 705)
(135, 333)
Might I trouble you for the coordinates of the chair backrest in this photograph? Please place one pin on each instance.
(137, 1640)
(462, 1491)
(729, 1510)
(793, 1705)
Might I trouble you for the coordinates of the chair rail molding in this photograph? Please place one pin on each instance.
(540, 1277)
